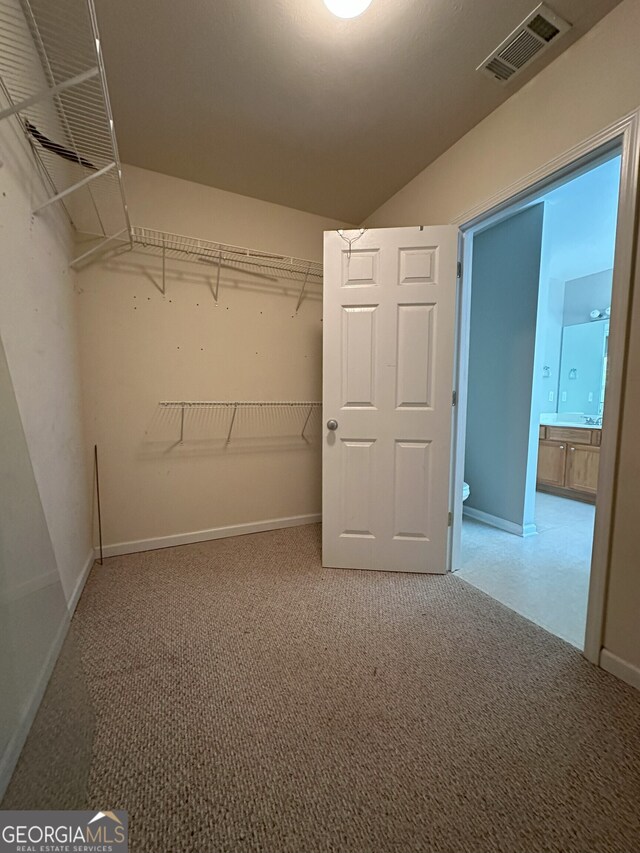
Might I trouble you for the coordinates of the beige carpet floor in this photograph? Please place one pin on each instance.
(249, 700)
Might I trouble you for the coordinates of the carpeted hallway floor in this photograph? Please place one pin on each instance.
(248, 700)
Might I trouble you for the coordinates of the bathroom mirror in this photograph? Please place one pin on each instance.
(583, 368)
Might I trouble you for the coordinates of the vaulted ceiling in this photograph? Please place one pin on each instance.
(280, 100)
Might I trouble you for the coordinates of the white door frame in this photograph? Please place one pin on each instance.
(623, 135)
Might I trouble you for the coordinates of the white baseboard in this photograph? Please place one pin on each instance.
(14, 747)
(500, 523)
(622, 669)
(205, 535)
(82, 579)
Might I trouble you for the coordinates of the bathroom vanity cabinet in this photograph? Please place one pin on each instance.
(568, 459)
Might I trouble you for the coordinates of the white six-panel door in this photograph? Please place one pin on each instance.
(389, 316)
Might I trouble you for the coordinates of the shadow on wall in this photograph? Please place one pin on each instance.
(195, 430)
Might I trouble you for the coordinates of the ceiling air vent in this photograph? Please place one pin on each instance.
(534, 35)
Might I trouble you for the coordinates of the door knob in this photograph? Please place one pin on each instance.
(332, 424)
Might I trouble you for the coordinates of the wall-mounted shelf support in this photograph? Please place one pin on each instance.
(217, 290)
(306, 423)
(302, 290)
(75, 187)
(233, 420)
(121, 235)
(182, 425)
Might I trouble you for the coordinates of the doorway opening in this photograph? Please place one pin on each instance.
(533, 359)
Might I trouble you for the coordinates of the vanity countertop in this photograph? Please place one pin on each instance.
(573, 424)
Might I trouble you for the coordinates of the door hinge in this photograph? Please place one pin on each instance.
(459, 269)
(454, 398)
(450, 522)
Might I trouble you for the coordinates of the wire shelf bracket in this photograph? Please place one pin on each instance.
(75, 187)
(53, 82)
(302, 290)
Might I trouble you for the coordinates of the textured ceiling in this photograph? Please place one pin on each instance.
(279, 100)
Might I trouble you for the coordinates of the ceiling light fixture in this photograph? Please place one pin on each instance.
(347, 8)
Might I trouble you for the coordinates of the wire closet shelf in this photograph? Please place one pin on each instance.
(52, 80)
(223, 255)
(234, 406)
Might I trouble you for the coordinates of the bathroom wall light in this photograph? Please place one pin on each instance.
(347, 8)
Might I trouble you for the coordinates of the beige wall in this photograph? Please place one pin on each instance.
(37, 326)
(139, 347)
(594, 83)
(45, 545)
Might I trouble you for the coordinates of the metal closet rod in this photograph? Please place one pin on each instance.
(234, 405)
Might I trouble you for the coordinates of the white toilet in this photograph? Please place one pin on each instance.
(466, 491)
